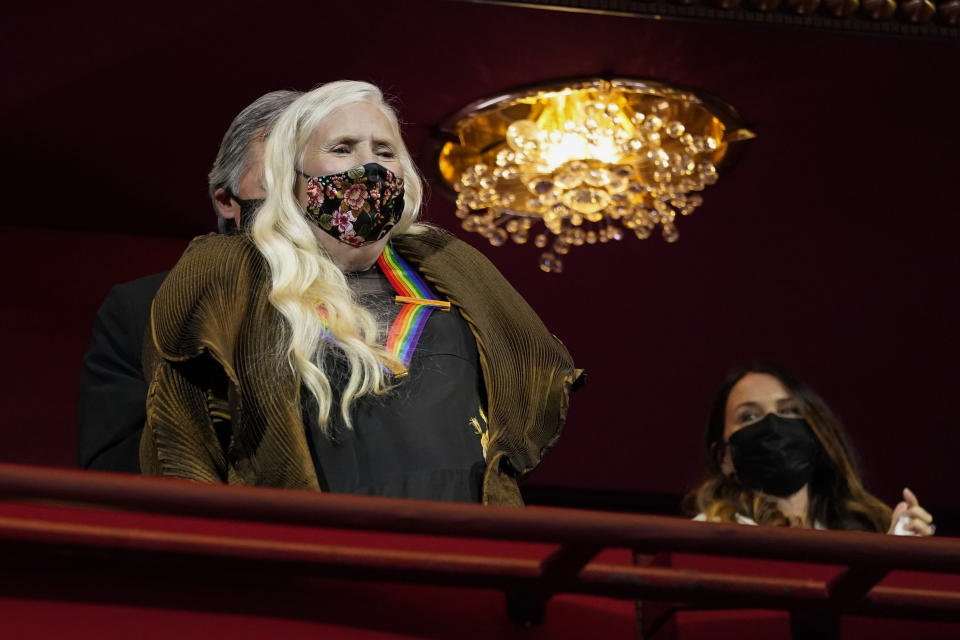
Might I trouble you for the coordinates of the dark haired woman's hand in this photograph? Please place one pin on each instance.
(917, 521)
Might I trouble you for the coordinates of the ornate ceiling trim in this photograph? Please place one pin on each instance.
(938, 19)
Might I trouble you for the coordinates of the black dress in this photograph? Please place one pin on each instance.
(423, 439)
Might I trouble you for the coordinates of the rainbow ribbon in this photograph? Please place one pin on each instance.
(418, 303)
(417, 300)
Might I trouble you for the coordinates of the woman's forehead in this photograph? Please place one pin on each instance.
(359, 120)
(758, 388)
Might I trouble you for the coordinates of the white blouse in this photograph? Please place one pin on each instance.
(899, 530)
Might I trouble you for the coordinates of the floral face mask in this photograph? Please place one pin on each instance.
(358, 206)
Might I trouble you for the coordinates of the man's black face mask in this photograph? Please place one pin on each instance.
(247, 209)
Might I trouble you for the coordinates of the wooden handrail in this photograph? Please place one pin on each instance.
(532, 524)
(33, 545)
(29, 544)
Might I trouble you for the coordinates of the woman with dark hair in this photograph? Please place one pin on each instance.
(777, 455)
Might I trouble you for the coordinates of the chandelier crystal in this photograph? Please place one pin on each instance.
(591, 161)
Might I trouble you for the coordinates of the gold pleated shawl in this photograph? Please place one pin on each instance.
(224, 404)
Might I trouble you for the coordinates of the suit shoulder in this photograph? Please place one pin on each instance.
(141, 289)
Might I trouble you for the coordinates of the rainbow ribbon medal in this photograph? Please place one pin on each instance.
(417, 300)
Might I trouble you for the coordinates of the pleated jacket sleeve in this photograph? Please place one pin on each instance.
(223, 405)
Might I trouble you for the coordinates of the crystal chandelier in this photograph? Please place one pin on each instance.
(590, 160)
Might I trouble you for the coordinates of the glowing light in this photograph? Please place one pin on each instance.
(587, 161)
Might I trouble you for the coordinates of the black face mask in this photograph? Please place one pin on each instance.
(247, 209)
(775, 455)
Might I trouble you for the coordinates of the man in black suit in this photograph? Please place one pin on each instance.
(113, 392)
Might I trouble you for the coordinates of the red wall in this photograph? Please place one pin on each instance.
(830, 247)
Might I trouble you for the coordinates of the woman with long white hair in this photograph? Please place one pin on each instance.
(339, 345)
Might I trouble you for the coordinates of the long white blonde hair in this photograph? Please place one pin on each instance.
(303, 277)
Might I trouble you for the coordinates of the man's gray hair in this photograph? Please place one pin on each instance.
(257, 119)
